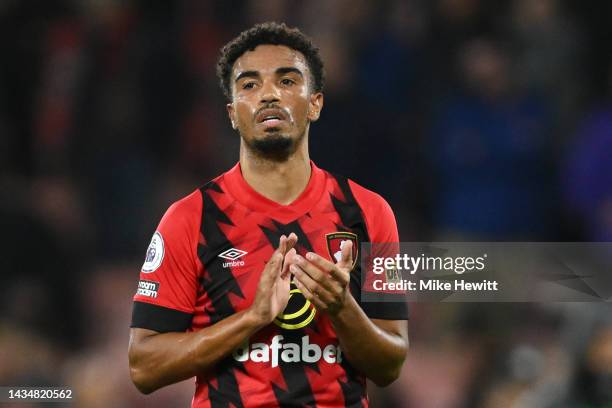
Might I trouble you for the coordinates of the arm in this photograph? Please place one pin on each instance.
(376, 347)
(159, 359)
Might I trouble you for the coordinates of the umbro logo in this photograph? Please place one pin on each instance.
(232, 255)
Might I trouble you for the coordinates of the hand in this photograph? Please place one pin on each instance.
(272, 293)
(322, 282)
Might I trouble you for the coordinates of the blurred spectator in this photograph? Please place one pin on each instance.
(488, 153)
(594, 385)
(588, 173)
(40, 282)
(549, 52)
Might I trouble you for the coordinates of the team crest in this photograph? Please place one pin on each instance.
(335, 242)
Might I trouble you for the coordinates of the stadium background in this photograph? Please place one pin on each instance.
(477, 120)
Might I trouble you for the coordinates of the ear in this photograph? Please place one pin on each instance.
(231, 113)
(315, 106)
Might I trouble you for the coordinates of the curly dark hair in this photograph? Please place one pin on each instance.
(269, 33)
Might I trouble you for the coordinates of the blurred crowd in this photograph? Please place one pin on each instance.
(477, 120)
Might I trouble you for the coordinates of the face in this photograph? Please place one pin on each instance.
(272, 104)
(485, 68)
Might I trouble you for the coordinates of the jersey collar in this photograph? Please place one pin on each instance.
(247, 196)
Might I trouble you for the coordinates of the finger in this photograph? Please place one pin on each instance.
(282, 244)
(311, 269)
(289, 259)
(285, 282)
(291, 240)
(315, 288)
(320, 262)
(310, 296)
(272, 269)
(332, 269)
(275, 261)
(282, 248)
(321, 277)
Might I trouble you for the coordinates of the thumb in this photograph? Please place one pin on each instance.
(346, 259)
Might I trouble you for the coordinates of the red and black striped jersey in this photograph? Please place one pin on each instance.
(204, 264)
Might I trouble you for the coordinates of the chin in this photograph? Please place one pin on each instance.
(273, 145)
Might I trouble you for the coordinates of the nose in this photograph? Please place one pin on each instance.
(269, 93)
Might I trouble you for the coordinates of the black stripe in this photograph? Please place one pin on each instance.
(219, 280)
(211, 185)
(353, 392)
(227, 384)
(353, 389)
(299, 391)
(394, 307)
(352, 219)
(217, 285)
(158, 318)
(286, 229)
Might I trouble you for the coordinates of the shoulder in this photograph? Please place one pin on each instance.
(378, 215)
(371, 203)
(375, 210)
(183, 215)
(187, 207)
(353, 191)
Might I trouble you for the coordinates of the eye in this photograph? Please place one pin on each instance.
(287, 81)
(248, 85)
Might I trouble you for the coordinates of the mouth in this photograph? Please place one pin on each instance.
(271, 117)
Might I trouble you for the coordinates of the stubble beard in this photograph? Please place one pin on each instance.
(274, 146)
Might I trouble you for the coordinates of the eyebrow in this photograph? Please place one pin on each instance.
(281, 70)
(287, 70)
(247, 74)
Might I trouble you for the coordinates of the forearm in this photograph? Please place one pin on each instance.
(377, 353)
(161, 359)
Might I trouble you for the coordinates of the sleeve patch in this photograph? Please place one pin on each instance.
(147, 288)
(155, 254)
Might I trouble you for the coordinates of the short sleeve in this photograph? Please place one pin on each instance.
(167, 289)
(384, 237)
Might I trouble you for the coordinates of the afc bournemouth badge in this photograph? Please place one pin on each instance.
(336, 241)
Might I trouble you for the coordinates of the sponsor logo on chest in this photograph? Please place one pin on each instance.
(276, 351)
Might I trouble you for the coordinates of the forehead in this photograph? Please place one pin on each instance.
(267, 58)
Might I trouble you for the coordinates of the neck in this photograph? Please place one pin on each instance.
(281, 182)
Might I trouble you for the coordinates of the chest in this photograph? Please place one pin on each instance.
(233, 256)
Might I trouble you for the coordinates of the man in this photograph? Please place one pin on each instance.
(260, 326)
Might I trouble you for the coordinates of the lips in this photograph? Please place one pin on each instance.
(270, 116)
